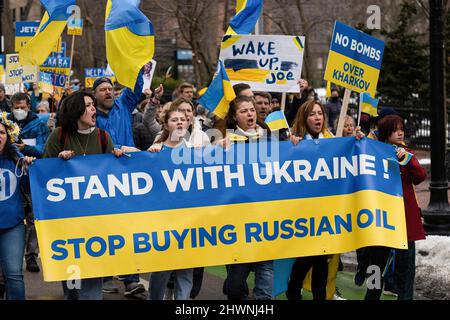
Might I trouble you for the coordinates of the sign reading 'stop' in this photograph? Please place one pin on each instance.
(355, 59)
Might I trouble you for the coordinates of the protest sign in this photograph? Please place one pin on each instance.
(354, 61)
(75, 27)
(94, 73)
(49, 80)
(149, 71)
(2, 65)
(16, 73)
(184, 208)
(59, 65)
(25, 31)
(265, 62)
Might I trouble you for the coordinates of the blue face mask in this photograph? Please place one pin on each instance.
(75, 87)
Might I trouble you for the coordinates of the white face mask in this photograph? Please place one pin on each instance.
(20, 114)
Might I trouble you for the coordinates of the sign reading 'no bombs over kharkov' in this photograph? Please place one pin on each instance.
(266, 63)
(355, 59)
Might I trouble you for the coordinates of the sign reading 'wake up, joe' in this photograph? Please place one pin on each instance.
(354, 61)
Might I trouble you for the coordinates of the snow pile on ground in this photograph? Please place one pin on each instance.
(433, 267)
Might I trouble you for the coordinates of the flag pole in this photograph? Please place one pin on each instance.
(344, 109)
(71, 57)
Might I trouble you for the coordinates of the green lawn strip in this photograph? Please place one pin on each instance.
(344, 282)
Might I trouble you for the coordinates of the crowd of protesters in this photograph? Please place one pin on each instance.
(118, 120)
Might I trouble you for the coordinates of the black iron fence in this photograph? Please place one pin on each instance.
(417, 125)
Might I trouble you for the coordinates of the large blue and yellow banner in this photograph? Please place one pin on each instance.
(184, 208)
(354, 61)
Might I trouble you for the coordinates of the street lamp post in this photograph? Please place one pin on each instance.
(437, 215)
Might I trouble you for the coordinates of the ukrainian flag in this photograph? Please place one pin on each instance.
(130, 41)
(368, 104)
(219, 94)
(247, 14)
(52, 25)
(276, 121)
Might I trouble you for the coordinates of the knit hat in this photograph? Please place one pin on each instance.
(99, 81)
(2, 87)
(385, 111)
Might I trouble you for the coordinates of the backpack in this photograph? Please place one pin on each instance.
(101, 137)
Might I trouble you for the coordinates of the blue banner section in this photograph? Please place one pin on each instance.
(26, 28)
(187, 178)
(357, 45)
(2, 60)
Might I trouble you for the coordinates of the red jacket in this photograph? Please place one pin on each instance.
(412, 174)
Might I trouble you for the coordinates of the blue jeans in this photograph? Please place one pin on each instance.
(12, 246)
(405, 271)
(236, 288)
(90, 289)
(183, 284)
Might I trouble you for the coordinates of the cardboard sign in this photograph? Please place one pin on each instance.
(265, 62)
(355, 59)
(15, 73)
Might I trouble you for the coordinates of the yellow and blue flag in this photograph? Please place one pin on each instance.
(368, 104)
(36, 51)
(219, 94)
(130, 41)
(276, 121)
(247, 14)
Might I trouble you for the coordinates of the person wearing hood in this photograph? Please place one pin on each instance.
(33, 132)
(333, 107)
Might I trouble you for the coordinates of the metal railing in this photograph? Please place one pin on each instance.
(417, 125)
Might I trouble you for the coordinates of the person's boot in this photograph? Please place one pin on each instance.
(133, 288)
(32, 265)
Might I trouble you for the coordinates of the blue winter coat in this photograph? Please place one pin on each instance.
(118, 121)
(11, 201)
(33, 128)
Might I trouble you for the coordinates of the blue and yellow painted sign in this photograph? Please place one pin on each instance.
(265, 62)
(354, 61)
(184, 208)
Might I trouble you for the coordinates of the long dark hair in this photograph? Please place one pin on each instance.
(230, 121)
(73, 107)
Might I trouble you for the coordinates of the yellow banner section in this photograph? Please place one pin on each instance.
(185, 238)
(351, 74)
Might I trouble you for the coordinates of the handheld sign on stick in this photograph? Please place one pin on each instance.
(354, 62)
